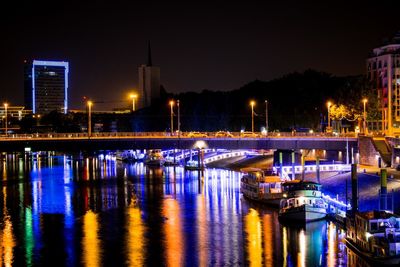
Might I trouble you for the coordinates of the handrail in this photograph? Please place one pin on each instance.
(210, 135)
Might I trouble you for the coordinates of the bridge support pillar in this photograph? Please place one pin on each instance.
(317, 163)
(293, 161)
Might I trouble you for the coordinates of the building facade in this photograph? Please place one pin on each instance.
(383, 73)
(149, 83)
(46, 86)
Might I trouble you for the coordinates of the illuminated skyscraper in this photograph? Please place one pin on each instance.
(46, 86)
(149, 82)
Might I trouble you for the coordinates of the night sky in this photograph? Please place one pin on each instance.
(197, 46)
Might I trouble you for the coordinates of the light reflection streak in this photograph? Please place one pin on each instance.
(174, 241)
(202, 232)
(331, 244)
(135, 237)
(303, 250)
(7, 236)
(253, 231)
(285, 245)
(90, 240)
(268, 240)
(29, 239)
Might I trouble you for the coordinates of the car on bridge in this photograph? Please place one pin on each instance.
(223, 134)
(249, 134)
(196, 135)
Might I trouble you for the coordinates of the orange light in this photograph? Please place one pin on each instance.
(171, 102)
(365, 100)
(252, 103)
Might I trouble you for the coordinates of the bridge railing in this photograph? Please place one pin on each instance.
(169, 135)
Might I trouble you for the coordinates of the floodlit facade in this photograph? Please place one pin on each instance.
(46, 86)
(383, 73)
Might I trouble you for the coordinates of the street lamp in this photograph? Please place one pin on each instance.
(266, 116)
(329, 104)
(133, 97)
(37, 119)
(89, 105)
(252, 103)
(5, 110)
(179, 118)
(365, 116)
(171, 103)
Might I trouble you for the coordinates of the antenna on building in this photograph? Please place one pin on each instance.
(149, 62)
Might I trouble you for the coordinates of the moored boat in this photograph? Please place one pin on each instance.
(303, 202)
(374, 236)
(192, 165)
(261, 186)
(154, 158)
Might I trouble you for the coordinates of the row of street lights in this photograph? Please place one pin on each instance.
(172, 103)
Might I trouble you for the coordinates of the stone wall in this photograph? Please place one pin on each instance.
(368, 154)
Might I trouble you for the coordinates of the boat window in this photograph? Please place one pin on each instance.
(310, 201)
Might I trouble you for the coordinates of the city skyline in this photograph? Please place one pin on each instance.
(215, 47)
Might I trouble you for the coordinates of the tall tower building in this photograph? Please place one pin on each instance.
(149, 82)
(46, 86)
(383, 73)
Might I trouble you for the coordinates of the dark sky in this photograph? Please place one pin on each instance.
(216, 46)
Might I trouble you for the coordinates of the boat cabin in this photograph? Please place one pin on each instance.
(377, 232)
(263, 182)
(296, 185)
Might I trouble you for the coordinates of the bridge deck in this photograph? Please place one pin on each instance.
(71, 142)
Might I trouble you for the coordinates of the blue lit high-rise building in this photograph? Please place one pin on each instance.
(46, 86)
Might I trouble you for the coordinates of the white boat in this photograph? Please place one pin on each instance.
(303, 202)
(154, 158)
(261, 186)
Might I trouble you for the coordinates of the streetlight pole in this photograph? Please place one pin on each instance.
(252, 103)
(179, 118)
(133, 96)
(365, 116)
(89, 104)
(329, 115)
(6, 115)
(171, 103)
(266, 116)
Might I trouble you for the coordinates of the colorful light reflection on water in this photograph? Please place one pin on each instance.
(61, 210)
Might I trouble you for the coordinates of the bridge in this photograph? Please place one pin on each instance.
(164, 141)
